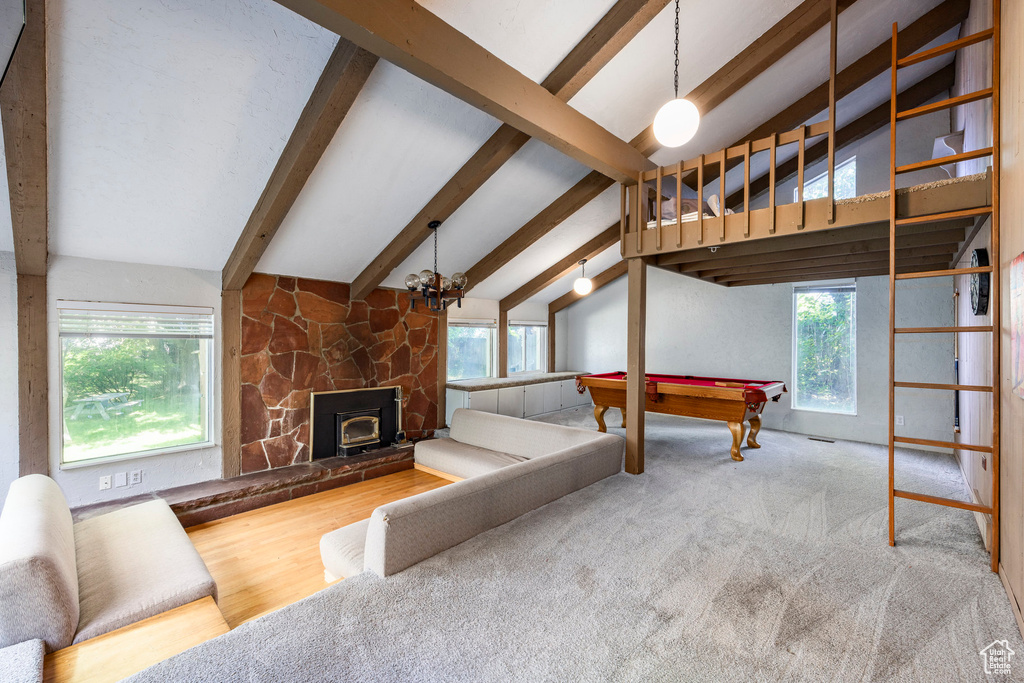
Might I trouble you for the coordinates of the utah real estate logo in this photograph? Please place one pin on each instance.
(997, 657)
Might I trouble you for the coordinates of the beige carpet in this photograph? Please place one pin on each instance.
(702, 569)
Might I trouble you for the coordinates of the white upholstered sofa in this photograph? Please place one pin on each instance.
(62, 582)
(509, 467)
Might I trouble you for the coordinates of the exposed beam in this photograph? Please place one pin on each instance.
(603, 278)
(968, 239)
(876, 119)
(872, 257)
(834, 274)
(23, 114)
(231, 382)
(622, 22)
(927, 28)
(940, 238)
(502, 343)
(592, 248)
(410, 36)
(824, 238)
(776, 42)
(342, 79)
(755, 59)
(552, 343)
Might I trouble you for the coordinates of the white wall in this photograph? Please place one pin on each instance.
(694, 327)
(89, 280)
(8, 373)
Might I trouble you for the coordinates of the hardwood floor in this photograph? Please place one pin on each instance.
(265, 559)
(262, 560)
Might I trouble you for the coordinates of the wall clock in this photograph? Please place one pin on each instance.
(979, 282)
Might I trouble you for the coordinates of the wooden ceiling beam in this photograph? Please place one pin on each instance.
(342, 79)
(866, 270)
(603, 278)
(937, 238)
(817, 239)
(752, 61)
(613, 32)
(926, 89)
(927, 28)
(566, 265)
(417, 40)
(939, 250)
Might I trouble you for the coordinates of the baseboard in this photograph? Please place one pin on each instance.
(1013, 599)
(436, 473)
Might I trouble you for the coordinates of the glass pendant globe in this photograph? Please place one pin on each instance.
(427, 277)
(582, 286)
(459, 280)
(676, 123)
(412, 281)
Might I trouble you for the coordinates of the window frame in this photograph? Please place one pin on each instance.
(807, 287)
(492, 346)
(543, 348)
(212, 369)
(811, 181)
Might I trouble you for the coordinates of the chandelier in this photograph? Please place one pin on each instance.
(435, 290)
(676, 122)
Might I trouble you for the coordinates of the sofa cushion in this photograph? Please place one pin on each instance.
(342, 551)
(461, 459)
(38, 576)
(134, 563)
(22, 663)
(523, 438)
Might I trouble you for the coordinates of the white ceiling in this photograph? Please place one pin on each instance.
(167, 118)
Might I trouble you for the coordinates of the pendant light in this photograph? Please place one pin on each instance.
(583, 284)
(677, 121)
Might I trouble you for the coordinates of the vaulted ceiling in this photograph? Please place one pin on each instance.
(167, 118)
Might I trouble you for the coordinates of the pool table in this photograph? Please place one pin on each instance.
(734, 401)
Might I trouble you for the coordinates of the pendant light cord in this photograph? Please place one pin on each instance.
(676, 80)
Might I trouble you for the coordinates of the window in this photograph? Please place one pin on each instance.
(135, 379)
(825, 348)
(845, 182)
(527, 348)
(471, 351)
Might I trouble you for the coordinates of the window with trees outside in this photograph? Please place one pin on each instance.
(135, 380)
(471, 350)
(825, 348)
(527, 348)
(845, 182)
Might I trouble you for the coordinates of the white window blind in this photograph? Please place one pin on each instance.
(85, 319)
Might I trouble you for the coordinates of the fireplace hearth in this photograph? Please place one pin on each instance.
(354, 421)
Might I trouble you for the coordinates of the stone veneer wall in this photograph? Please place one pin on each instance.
(300, 336)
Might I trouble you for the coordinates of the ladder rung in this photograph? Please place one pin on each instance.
(943, 49)
(948, 502)
(944, 216)
(949, 387)
(943, 273)
(938, 330)
(942, 161)
(942, 444)
(944, 104)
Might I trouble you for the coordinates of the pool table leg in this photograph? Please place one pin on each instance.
(599, 412)
(623, 411)
(737, 429)
(755, 427)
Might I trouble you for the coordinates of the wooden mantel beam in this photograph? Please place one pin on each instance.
(23, 112)
(592, 248)
(603, 278)
(792, 30)
(407, 34)
(622, 22)
(340, 83)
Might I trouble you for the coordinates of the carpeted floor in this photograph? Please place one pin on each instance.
(702, 569)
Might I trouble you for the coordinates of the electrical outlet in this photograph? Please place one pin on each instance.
(120, 479)
(899, 420)
(136, 477)
(104, 482)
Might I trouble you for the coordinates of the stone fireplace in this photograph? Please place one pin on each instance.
(301, 337)
(346, 423)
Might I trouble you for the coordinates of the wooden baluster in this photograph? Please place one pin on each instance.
(700, 199)
(800, 176)
(657, 213)
(832, 113)
(772, 143)
(721, 194)
(746, 189)
(622, 212)
(679, 204)
(641, 202)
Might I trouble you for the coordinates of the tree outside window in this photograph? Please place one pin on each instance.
(527, 348)
(471, 350)
(844, 182)
(825, 349)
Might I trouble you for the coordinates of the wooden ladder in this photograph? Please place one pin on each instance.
(894, 222)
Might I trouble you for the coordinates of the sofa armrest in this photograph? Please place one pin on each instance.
(408, 531)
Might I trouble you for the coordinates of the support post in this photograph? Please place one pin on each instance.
(33, 409)
(503, 344)
(636, 328)
(552, 342)
(442, 369)
(231, 382)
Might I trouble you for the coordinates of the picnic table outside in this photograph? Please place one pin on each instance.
(103, 405)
